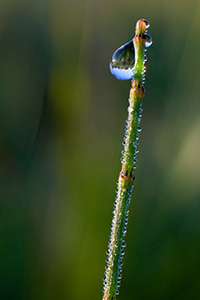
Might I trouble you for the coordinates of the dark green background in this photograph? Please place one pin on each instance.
(62, 119)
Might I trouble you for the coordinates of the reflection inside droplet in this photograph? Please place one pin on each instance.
(148, 40)
(147, 23)
(122, 62)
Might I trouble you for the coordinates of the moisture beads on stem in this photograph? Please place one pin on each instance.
(128, 62)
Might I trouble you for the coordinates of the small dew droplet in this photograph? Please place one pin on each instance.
(148, 40)
(130, 109)
(147, 23)
(123, 61)
(135, 144)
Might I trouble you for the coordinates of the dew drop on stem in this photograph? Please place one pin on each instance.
(146, 23)
(148, 40)
(123, 60)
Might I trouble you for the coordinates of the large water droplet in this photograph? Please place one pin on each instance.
(148, 40)
(123, 61)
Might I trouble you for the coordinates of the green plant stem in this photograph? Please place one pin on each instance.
(126, 177)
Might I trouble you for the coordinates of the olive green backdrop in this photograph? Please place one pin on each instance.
(62, 119)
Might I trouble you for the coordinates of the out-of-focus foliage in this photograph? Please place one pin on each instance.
(62, 118)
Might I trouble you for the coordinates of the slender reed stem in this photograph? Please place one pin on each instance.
(126, 177)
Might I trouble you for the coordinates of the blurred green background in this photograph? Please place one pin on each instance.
(62, 119)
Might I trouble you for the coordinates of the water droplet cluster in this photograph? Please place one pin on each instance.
(131, 139)
(115, 251)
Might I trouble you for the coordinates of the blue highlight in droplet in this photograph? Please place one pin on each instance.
(122, 74)
(123, 61)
